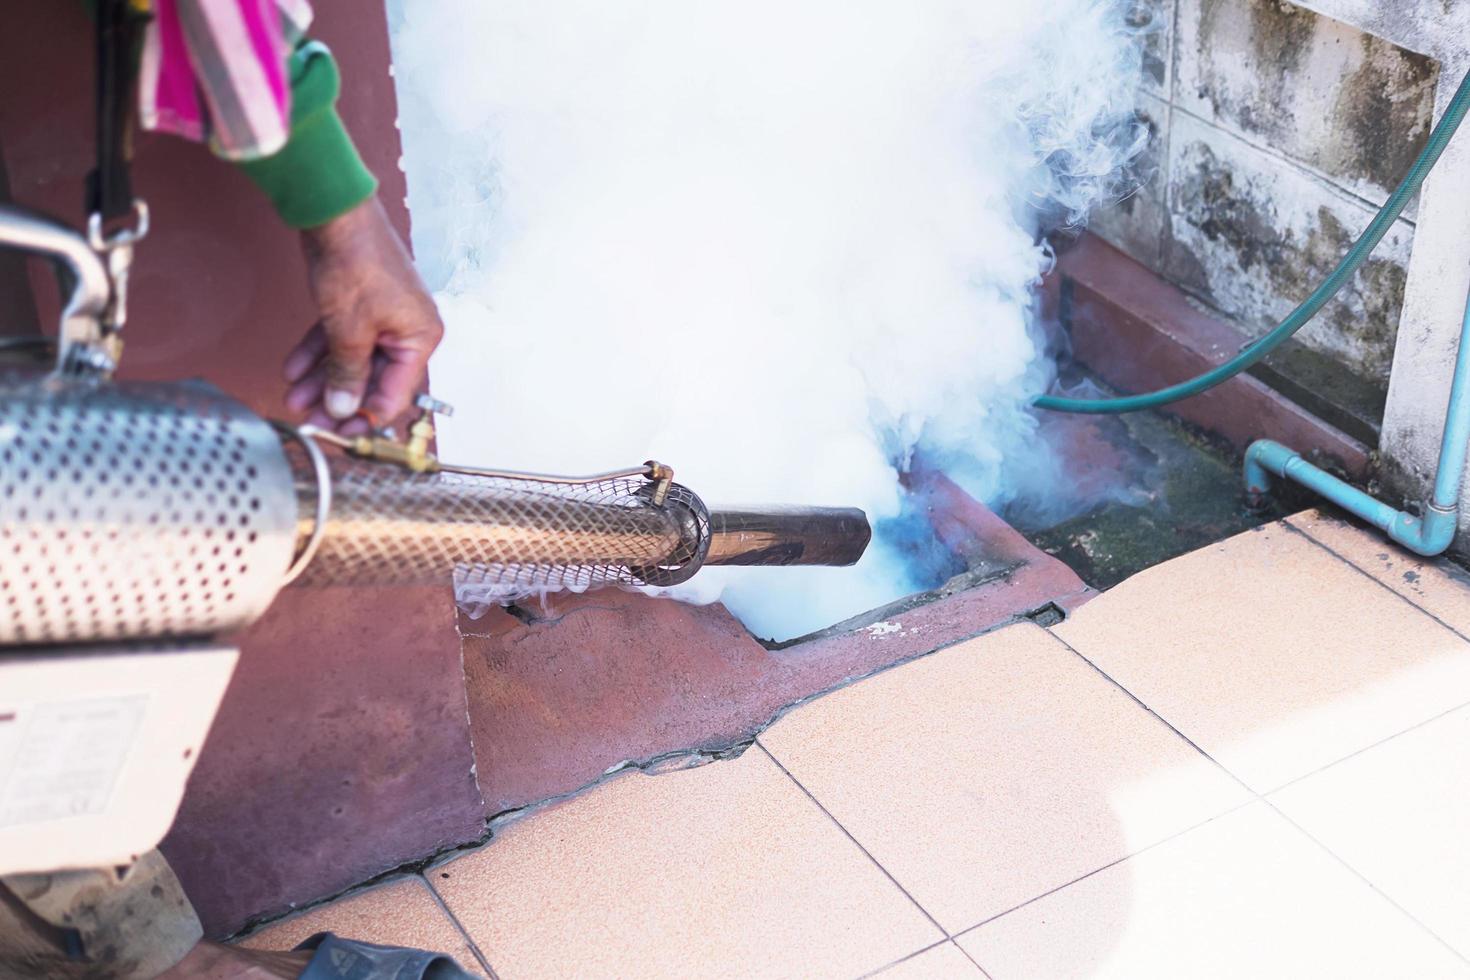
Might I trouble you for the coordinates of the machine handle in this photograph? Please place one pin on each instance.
(91, 289)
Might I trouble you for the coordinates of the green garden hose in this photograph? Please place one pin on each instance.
(1303, 314)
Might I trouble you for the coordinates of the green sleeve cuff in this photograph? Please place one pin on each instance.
(318, 175)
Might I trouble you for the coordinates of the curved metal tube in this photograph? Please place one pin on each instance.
(91, 289)
(321, 472)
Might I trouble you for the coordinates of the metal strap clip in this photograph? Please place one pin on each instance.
(117, 248)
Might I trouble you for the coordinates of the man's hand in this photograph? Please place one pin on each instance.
(369, 352)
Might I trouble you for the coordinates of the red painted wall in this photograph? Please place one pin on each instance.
(342, 748)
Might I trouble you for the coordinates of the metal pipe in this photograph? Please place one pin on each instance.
(788, 536)
(551, 478)
(91, 289)
(343, 442)
(390, 525)
(1453, 443)
(1428, 535)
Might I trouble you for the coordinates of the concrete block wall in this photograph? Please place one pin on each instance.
(1323, 100)
(1279, 130)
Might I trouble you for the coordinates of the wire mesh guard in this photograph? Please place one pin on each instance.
(502, 538)
(136, 510)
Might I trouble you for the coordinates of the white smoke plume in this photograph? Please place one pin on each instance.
(784, 246)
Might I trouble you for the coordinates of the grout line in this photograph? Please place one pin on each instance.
(943, 931)
(1262, 794)
(1302, 168)
(1367, 748)
(474, 946)
(1189, 830)
(1098, 870)
(904, 959)
(1171, 81)
(1166, 173)
(966, 954)
(1261, 797)
(1161, 719)
(1172, 88)
(920, 952)
(1364, 879)
(1253, 798)
(1286, 522)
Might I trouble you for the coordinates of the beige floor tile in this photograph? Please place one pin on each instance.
(1246, 895)
(724, 870)
(942, 962)
(1400, 814)
(988, 773)
(1438, 587)
(401, 912)
(1273, 655)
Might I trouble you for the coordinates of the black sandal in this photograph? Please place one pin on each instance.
(348, 959)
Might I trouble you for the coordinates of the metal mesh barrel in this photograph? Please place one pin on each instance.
(387, 525)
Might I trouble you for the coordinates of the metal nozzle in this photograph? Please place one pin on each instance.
(788, 536)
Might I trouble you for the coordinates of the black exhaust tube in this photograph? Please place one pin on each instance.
(788, 536)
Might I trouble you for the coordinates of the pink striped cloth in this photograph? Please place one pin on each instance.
(216, 70)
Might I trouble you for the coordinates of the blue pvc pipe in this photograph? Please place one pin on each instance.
(1453, 444)
(1429, 535)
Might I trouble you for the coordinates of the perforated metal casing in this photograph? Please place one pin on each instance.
(136, 510)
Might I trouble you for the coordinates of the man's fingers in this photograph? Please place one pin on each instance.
(303, 356)
(363, 281)
(307, 391)
(349, 366)
(399, 378)
(355, 426)
(364, 421)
